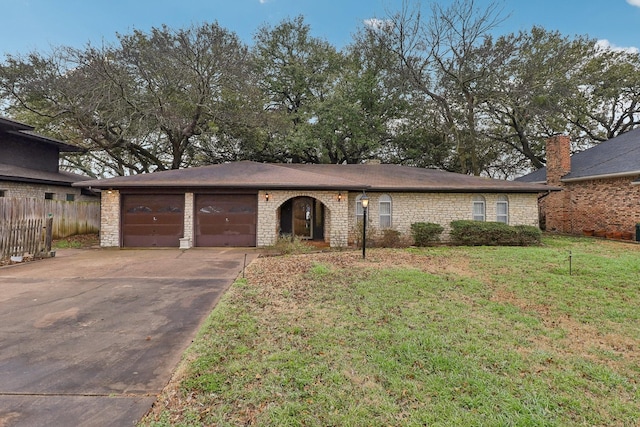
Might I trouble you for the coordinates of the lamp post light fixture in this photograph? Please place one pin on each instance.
(365, 204)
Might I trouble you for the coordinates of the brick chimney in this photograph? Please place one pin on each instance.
(558, 158)
(557, 206)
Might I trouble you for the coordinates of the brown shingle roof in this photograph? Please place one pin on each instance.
(265, 176)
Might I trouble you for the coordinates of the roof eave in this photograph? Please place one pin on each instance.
(62, 146)
(98, 184)
(63, 183)
(358, 187)
(602, 176)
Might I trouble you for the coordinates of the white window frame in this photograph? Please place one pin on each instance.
(479, 209)
(503, 201)
(385, 199)
(359, 208)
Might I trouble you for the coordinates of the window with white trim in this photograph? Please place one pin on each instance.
(478, 208)
(384, 211)
(359, 210)
(502, 209)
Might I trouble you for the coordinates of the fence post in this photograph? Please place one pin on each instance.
(48, 235)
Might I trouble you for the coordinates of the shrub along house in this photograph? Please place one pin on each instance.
(251, 204)
(601, 187)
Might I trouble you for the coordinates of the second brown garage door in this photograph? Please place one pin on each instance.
(226, 219)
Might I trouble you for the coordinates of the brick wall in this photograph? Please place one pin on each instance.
(607, 205)
(37, 191)
(611, 205)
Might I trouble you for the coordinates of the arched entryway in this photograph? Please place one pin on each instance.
(303, 217)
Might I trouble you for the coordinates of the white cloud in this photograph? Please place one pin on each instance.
(263, 1)
(607, 45)
(380, 24)
(635, 3)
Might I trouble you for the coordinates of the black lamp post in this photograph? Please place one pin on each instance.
(365, 203)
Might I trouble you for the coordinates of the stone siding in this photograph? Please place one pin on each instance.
(441, 208)
(189, 213)
(336, 219)
(609, 205)
(37, 191)
(110, 219)
(340, 217)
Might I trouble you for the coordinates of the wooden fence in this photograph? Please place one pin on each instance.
(21, 237)
(69, 218)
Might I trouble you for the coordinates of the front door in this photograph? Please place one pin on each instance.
(303, 217)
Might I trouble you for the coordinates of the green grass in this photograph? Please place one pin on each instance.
(76, 242)
(453, 336)
(66, 244)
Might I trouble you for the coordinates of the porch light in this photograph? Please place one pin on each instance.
(339, 197)
(266, 197)
(365, 204)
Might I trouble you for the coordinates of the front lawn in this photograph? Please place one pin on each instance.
(435, 336)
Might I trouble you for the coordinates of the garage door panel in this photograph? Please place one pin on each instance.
(152, 220)
(148, 241)
(216, 240)
(227, 229)
(226, 220)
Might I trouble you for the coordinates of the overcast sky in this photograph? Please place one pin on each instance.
(39, 24)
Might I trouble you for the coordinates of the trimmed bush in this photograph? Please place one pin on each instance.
(477, 233)
(528, 235)
(389, 238)
(425, 233)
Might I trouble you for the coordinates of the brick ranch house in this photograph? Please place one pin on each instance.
(29, 166)
(251, 204)
(601, 187)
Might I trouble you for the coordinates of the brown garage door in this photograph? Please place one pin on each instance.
(152, 220)
(226, 219)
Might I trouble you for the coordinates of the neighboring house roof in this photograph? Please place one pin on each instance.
(26, 132)
(265, 176)
(18, 174)
(25, 146)
(619, 156)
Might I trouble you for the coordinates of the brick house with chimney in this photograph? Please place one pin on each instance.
(601, 187)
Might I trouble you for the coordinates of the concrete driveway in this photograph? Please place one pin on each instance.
(91, 337)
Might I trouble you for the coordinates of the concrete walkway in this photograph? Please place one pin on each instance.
(91, 337)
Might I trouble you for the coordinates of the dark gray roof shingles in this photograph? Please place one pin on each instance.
(616, 156)
(26, 131)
